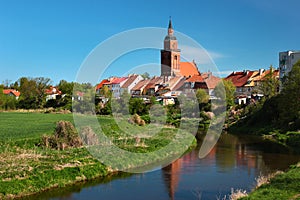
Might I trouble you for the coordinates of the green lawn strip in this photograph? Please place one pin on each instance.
(282, 186)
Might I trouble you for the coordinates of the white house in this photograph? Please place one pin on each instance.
(286, 61)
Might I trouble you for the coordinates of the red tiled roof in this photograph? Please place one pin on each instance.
(11, 91)
(188, 69)
(195, 79)
(118, 80)
(110, 80)
(99, 86)
(239, 79)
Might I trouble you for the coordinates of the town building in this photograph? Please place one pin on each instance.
(248, 83)
(286, 61)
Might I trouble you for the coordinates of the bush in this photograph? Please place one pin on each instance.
(65, 136)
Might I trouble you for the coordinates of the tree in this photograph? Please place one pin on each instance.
(290, 97)
(202, 96)
(33, 92)
(105, 92)
(269, 86)
(137, 106)
(2, 100)
(146, 75)
(66, 87)
(225, 90)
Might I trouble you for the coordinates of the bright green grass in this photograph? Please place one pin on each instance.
(283, 186)
(19, 126)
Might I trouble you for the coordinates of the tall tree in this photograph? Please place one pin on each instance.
(270, 84)
(33, 92)
(290, 97)
(66, 87)
(202, 96)
(225, 90)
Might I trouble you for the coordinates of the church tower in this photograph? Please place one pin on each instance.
(170, 55)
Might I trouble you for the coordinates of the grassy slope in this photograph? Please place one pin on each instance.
(283, 186)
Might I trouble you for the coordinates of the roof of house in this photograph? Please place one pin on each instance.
(211, 80)
(118, 80)
(195, 79)
(110, 80)
(265, 73)
(129, 81)
(99, 86)
(52, 90)
(11, 91)
(179, 85)
(140, 85)
(173, 81)
(154, 81)
(240, 79)
(188, 69)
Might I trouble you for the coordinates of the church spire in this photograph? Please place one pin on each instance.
(170, 23)
(170, 27)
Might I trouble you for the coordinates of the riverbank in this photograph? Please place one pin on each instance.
(282, 186)
(27, 167)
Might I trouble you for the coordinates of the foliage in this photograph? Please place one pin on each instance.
(225, 90)
(146, 75)
(138, 106)
(66, 87)
(290, 99)
(270, 85)
(32, 92)
(105, 92)
(87, 103)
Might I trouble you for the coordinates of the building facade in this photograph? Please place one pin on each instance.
(286, 61)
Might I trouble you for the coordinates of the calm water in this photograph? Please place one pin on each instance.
(234, 162)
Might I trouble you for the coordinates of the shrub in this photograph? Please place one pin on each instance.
(65, 136)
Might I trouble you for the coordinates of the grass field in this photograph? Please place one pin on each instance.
(27, 167)
(20, 126)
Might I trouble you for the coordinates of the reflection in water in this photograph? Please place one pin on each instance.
(171, 175)
(234, 162)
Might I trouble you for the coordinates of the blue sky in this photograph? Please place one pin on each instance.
(52, 38)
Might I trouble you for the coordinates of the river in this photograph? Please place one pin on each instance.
(234, 162)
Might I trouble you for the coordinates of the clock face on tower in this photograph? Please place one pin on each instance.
(173, 46)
